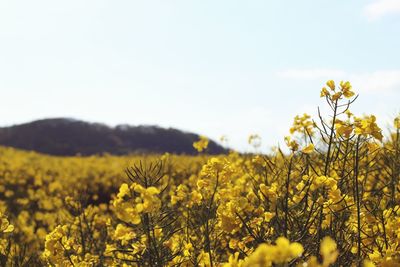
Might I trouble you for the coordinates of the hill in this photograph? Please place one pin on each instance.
(68, 137)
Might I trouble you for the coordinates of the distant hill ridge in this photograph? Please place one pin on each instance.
(68, 137)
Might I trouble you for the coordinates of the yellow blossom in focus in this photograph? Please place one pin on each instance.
(123, 190)
(331, 84)
(346, 89)
(324, 92)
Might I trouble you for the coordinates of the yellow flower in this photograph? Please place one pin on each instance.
(292, 144)
(124, 234)
(187, 249)
(367, 126)
(302, 124)
(344, 129)
(123, 191)
(373, 147)
(287, 251)
(334, 194)
(331, 84)
(328, 251)
(282, 252)
(348, 113)
(346, 89)
(201, 144)
(259, 258)
(150, 200)
(195, 197)
(368, 263)
(336, 96)
(268, 216)
(233, 261)
(397, 123)
(324, 92)
(308, 149)
(5, 226)
(126, 212)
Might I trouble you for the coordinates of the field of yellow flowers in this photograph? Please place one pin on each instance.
(332, 200)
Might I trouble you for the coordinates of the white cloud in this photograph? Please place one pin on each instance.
(380, 8)
(378, 81)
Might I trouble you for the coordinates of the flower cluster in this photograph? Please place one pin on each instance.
(330, 199)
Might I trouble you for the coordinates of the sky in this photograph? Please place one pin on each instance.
(221, 67)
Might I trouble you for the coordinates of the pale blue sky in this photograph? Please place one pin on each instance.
(211, 67)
